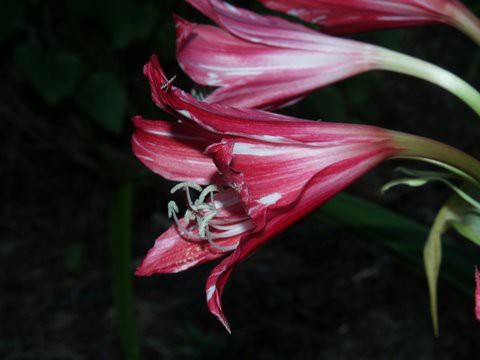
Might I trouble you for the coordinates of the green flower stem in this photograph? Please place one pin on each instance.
(404, 64)
(468, 23)
(120, 243)
(420, 148)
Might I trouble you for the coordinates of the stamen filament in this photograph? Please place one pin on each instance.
(219, 247)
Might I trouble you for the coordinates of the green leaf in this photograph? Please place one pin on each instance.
(75, 256)
(120, 228)
(432, 257)
(130, 22)
(54, 75)
(400, 235)
(104, 98)
(468, 226)
(11, 18)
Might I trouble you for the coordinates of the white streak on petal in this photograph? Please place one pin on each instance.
(185, 113)
(210, 292)
(270, 199)
(255, 150)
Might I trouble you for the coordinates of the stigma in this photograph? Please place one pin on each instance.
(214, 214)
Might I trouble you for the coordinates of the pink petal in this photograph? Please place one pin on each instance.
(258, 59)
(349, 16)
(319, 189)
(251, 123)
(172, 253)
(277, 32)
(269, 175)
(477, 294)
(175, 150)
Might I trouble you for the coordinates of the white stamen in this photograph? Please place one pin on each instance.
(219, 247)
(210, 225)
(185, 185)
(210, 189)
(203, 223)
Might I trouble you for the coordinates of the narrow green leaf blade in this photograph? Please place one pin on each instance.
(400, 235)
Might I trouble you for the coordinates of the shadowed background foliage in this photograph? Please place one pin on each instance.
(342, 284)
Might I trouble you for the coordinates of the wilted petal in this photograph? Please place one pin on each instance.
(175, 150)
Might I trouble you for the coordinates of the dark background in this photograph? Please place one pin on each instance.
(72, 75)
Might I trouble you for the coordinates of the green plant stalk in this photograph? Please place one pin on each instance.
(467, 22)
(402, 236)
(405, 64)
(120, 242)
(428, 150)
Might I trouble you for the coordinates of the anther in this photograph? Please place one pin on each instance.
(186, 185)
(203, 223)
(172, 209)
(168, 83)
(210, 189)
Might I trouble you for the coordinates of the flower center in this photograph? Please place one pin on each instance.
(207, 218)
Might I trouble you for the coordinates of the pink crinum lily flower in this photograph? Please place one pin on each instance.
(260, 172)
(350, 16)
(280, 61)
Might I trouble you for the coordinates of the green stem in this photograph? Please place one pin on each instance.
(420, 148)
(467, 22)
(120, 242)
(404, 64)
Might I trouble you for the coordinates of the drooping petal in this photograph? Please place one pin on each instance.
(350, 16)
(175, 150)
(252, 123)
(319, 189)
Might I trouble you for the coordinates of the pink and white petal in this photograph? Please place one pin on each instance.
(271, 176)
(215, 285)
(211, 56)
(319, 189)
(172, 253)
(274, 90)
(252, 123)
(175, 150)
(352, 16)
(277, 32)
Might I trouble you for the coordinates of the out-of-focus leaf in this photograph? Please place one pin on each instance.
(129, 21)
(467, 216)
(432, 257)
(54, 75)
(104, 98)
(126, 20)
(11, 18)
(75, 256)
(400, 235)
(468, 226)
(166, 41)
